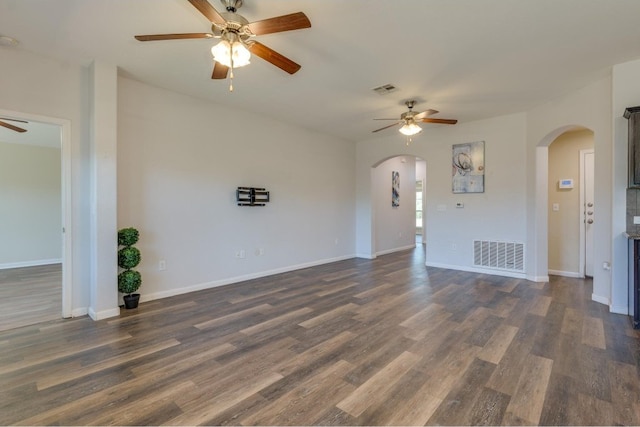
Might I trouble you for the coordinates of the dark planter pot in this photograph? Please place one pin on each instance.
(131, 301)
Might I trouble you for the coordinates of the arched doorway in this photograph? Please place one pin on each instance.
(542, 199)
(394, 222)
(571, 216)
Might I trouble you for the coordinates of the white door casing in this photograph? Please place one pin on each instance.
(588, 213)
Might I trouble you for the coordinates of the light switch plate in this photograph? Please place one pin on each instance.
(636, 219)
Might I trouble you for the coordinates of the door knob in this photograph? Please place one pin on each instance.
(589, 221)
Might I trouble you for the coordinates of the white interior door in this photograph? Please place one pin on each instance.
(588, 217)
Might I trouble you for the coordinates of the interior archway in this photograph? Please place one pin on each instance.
(393, 226)
(542, 199)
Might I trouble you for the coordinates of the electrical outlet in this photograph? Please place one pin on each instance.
(162, 265)
(240, 253)
(454, 247)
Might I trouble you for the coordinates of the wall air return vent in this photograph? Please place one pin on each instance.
(385, 89)
(508, 256)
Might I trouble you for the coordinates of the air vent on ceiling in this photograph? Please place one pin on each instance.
(499, 255)
(384, 89)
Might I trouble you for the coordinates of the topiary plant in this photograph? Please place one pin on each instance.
(128, 236)
(129, 257)
(129, 281)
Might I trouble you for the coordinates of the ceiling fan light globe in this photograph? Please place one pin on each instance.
(223, 51)
(410, 129)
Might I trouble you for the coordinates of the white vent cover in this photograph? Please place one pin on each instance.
(499, 255)
(385, 89)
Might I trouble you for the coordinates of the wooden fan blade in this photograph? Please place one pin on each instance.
(274, 57)
(12, 127)
(293, 21)
(154, 37)
(424, 114)
(441, 121)
(13, 120)
(386, 127)
(208, 11)
(219, 71)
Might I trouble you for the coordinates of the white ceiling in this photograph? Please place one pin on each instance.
(38, 134)
(469, 59)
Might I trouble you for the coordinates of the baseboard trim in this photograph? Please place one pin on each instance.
(224, 282)
(619, 309)
(538, 279)
(366, 256)
(571, 274)
(600, 299)
(390, 251)
(33, 263)
(79, 312)
(477, 270)
(104, 314)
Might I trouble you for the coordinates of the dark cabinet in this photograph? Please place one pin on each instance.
(634, 282)
(633, 115)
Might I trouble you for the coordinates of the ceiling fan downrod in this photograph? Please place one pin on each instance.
(232, 5)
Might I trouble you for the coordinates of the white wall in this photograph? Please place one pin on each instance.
(395, 226)
(588, 108)
(565, 223)
(38, 86)
(30, 212)
(180, 160)
(498, 213)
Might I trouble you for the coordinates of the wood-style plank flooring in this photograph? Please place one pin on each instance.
(30, 295)
(357, 342)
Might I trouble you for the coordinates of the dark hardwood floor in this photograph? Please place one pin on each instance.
(30, 295)
(358, 342)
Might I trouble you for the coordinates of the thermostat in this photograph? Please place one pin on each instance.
(565, 183)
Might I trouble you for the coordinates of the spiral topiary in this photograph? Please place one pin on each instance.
(128, 257)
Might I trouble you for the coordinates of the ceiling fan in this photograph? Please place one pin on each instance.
(410, 120)
(236, 34)
(10, 126)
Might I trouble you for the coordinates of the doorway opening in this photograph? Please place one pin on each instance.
(419, 210)
(570, 192)
(35, 280)
(393, 203)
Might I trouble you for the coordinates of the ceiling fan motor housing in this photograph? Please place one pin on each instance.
(235, 23)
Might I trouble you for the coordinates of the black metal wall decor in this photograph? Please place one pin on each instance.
(249, 196)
